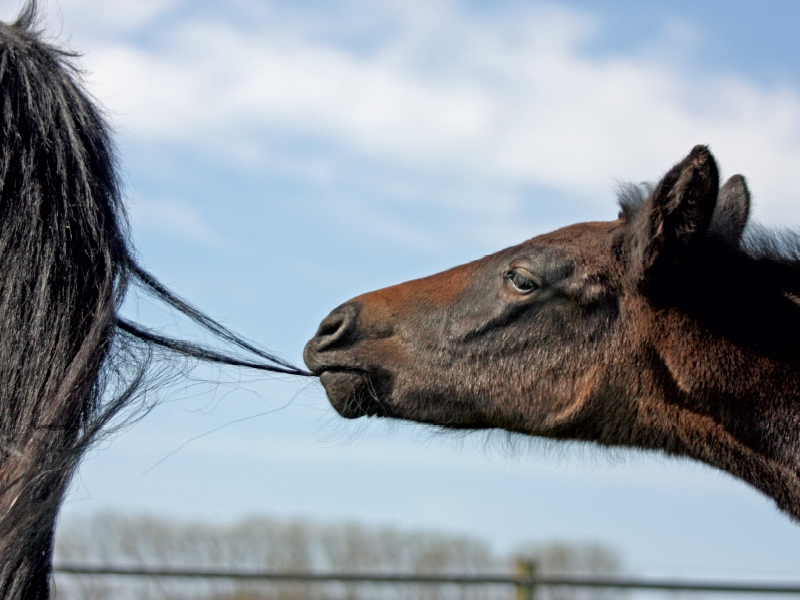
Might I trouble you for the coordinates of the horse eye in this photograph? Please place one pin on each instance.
(522, 283)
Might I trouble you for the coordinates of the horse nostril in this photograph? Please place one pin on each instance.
(335, 326)
(330, 325)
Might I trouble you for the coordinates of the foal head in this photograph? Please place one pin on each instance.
(658, 330)
(529, 338)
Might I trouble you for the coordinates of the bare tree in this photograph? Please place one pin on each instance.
(296, 546)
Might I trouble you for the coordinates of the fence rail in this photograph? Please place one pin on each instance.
(394, 578)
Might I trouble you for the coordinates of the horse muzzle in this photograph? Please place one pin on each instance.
(347, 381)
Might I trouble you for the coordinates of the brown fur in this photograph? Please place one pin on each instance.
(663, 330)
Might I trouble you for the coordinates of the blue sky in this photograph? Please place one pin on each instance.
(282, 157)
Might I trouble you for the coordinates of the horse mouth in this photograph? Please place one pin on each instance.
(352, 393)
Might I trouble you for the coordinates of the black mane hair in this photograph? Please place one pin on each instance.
(631, 197)
(68, 363)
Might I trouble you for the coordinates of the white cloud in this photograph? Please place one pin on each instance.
(498, 101)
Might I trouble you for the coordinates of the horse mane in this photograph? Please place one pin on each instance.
(631, 197)
(69, 364)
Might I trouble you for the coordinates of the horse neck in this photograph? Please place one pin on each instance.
(730, 404)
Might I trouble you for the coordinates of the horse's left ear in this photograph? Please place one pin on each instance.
(732, 211)
(676, 216)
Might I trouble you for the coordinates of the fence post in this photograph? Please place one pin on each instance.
(525, 569)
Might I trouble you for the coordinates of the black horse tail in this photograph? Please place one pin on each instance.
(65, 264)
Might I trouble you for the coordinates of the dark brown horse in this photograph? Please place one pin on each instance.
(669, 329)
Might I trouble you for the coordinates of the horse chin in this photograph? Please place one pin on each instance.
(352, 393)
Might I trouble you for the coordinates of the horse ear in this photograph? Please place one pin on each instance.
(676, 216)
(732, 211)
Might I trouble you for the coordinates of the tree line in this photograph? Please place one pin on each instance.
(264, 544)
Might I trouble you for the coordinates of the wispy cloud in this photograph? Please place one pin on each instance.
(505, 99)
